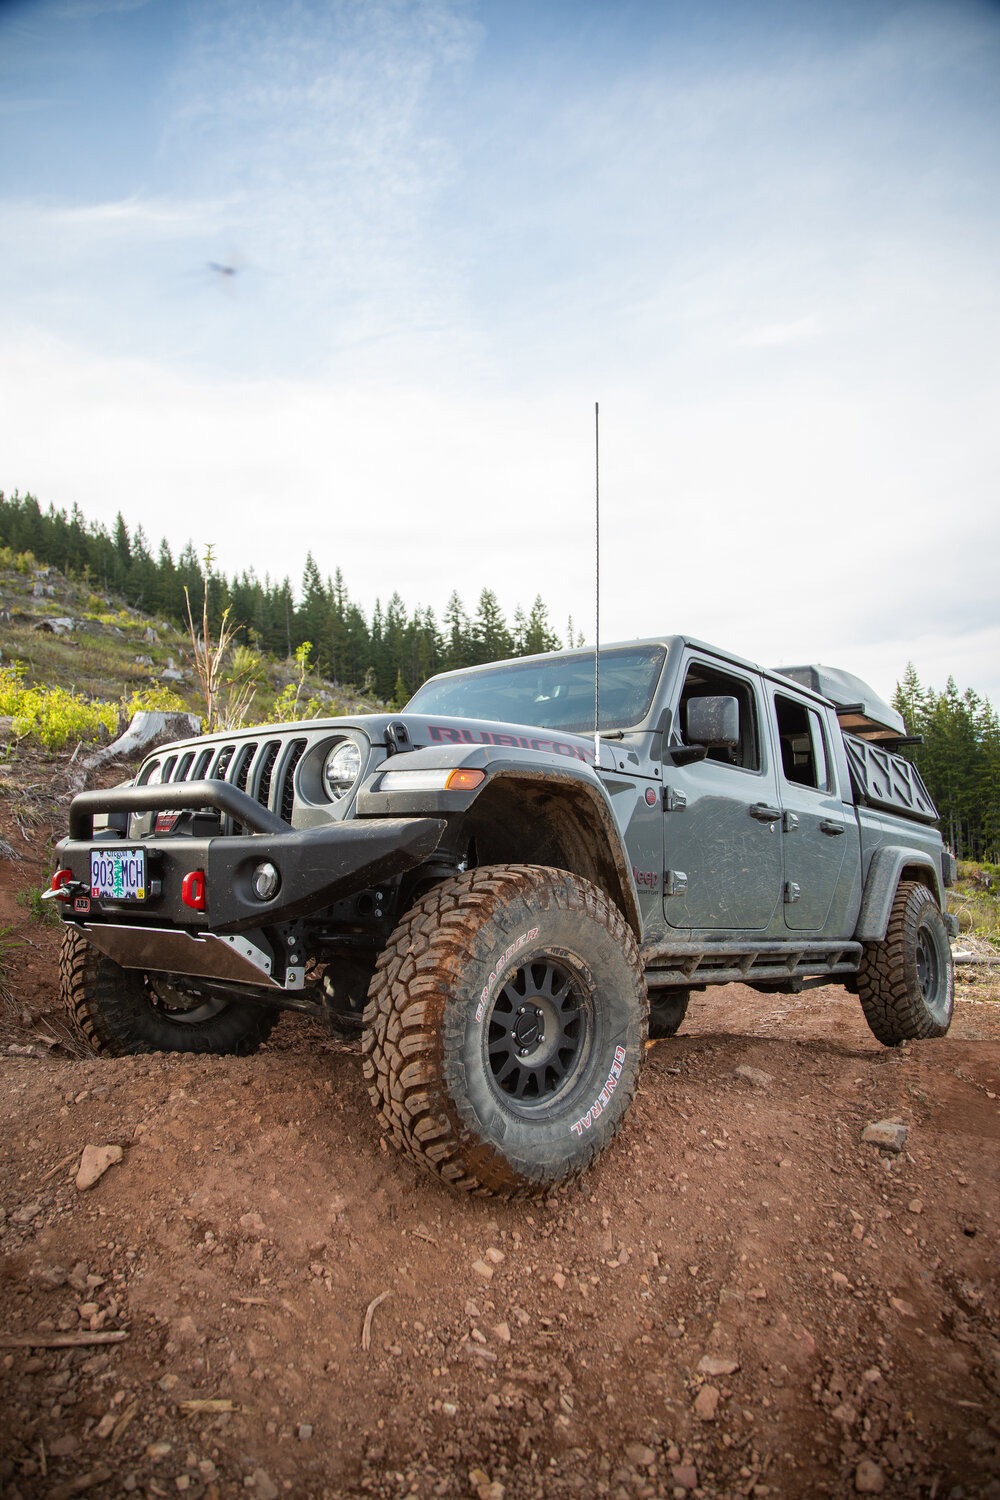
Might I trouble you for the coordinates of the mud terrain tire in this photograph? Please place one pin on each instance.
(906, 983)
(123, 1011)
(504, 1029)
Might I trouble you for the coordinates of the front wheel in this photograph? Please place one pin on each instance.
(906, 983)
(124, 1011)
(505, 1027)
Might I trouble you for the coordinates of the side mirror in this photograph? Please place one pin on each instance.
(713, 721)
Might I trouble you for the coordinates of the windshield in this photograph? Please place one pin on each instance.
(552, 692)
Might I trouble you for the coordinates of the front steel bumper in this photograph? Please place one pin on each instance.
(317, 866)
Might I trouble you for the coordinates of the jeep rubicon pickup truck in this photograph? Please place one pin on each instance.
(503, 899)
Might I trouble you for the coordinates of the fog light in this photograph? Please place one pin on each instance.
(265, 881)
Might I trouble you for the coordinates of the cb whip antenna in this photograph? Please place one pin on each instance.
(597, 585)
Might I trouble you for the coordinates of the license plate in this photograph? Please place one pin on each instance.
(118, 874)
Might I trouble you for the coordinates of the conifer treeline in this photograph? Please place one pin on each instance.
(389, 655)
(959, 760)
(395, 651)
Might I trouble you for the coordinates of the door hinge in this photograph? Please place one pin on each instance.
(790, 822)
(673, 799)
(675, 883)
(792, 892)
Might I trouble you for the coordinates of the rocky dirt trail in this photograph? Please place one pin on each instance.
(744, 1298)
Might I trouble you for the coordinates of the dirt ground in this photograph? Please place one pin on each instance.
(744, 1298)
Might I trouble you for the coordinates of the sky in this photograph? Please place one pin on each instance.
(350, 276)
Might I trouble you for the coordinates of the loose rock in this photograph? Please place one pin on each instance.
(707, 1403)
(755, 1076)
(887, 1135)
(869, 1478)
(717, 1364)
(94, 1162)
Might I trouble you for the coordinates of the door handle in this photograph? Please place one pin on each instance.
(827, 826)
(765, 814)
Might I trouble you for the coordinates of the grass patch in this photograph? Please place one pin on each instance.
(8, 944)
(42, 912)
(975, 900)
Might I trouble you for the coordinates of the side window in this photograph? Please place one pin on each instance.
(803, 748)
(706, 682)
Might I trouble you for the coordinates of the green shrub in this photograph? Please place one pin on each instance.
(155, 697)
(56, 716)
(52, 715)
(20, 562)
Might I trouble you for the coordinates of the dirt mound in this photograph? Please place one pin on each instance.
(258, 1297)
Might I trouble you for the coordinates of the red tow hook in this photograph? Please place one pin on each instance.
(62, 887)
(194, 892)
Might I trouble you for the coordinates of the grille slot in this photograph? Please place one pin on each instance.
(243, 766)
(266, 770)
(288, 780)
(222, 764)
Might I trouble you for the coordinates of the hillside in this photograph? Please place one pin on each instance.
(259, 1298)
(95, 644)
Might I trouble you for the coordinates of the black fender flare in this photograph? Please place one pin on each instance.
(512, 770)
(890, 864)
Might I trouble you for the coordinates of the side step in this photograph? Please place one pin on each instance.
(734, 963)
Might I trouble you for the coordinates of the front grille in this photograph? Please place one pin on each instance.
(265, 769)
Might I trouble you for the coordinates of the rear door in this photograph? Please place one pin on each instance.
(817, 827)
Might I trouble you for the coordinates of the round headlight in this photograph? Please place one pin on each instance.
(341, 769)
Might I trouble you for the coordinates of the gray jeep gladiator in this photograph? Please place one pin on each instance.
(504, 901)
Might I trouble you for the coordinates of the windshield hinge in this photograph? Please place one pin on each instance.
(397, 738)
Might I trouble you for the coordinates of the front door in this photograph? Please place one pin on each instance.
(722, 821)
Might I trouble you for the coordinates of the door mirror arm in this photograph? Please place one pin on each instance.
(684, 755)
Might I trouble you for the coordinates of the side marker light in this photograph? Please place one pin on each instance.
(464, 781)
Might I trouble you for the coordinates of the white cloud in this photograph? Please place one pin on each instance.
(773, 335)
(733, 524)
(774, 266)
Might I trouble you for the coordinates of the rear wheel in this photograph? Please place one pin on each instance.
(122, 1011)
(906, 983)
(667, 1009)
(505, 1028)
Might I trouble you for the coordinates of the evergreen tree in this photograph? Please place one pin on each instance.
(458, 634)
(141, 573)
(312, 615)
(538, 634)
(490, 638)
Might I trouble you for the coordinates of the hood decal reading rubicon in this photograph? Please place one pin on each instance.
(450, 734)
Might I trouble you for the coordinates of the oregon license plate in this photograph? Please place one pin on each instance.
(118, 874)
